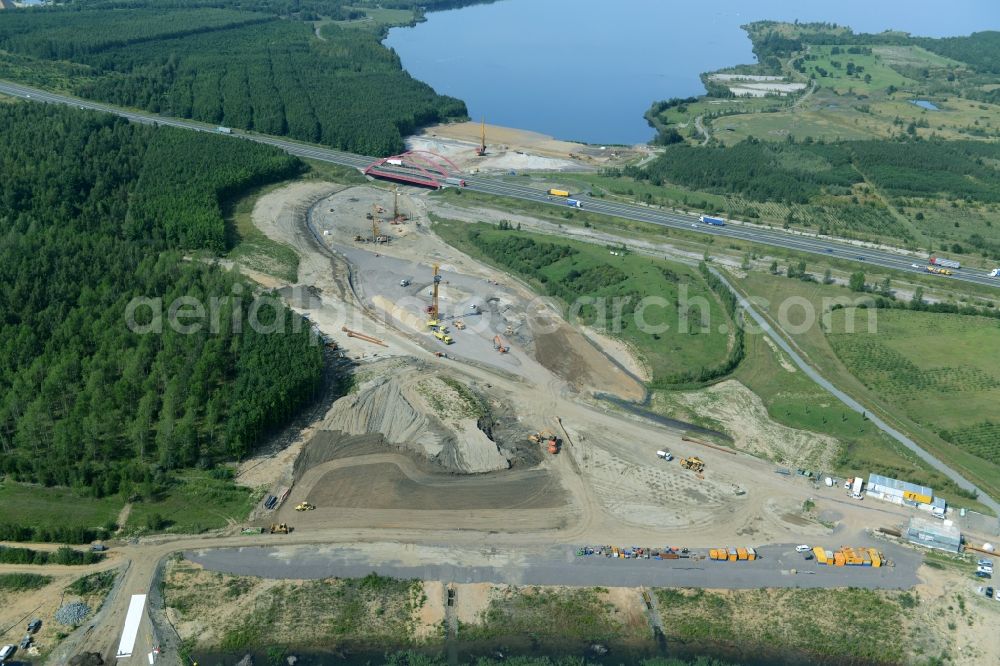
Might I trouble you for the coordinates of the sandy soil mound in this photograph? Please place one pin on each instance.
(742, 413)
(394, 409)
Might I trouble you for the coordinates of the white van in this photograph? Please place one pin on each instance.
(6, 651)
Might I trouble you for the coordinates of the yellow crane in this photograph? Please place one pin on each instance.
(481, 150)
(433, 309)
(375, 221)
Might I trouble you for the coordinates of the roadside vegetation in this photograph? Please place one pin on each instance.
(23, 582)
(63, 555)
(589, 279)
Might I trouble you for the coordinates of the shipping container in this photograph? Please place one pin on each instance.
(573, 203)
(558, 193)
(876, 557)
(741, 553)
(838, 559)
(733, 555)
(714, 221)
(947, 263)
(751, 553)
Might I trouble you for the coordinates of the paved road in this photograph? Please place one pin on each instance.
(559, 566)
(853, 404)
(773, 237)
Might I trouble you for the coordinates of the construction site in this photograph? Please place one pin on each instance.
(475, 444)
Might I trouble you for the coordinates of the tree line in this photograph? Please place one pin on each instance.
(95, 212)
(235, 68)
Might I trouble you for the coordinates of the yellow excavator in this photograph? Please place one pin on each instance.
(304, 506)
(693, 464)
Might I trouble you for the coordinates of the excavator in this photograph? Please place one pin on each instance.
(304, 506)
(499, 346)
(280, 528)
(693, 464)
(547, 438)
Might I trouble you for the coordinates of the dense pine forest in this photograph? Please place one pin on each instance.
(219, 63)
(94, 212)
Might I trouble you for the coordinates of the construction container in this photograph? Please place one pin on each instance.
(741, 553)
(751, 553)
(820, 554)
(733, 555)
(838, 559)
(876, 557)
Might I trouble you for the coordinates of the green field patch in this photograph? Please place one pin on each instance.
(44, 510)
(21, 582)
(942, 371)
(611, 288)
(192, 502)
(250, 247)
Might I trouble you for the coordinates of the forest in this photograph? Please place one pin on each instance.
(250, 70)
(95, 212)
(798, 172)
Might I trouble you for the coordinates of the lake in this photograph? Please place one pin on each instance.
(587, 70)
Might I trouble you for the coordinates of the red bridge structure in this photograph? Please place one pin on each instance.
(414, 167)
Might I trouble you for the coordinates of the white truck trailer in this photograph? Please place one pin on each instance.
(133, 619)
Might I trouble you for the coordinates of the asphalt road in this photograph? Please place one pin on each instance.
(560, 566)
(488, 185)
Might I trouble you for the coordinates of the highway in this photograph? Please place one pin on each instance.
(825, 247)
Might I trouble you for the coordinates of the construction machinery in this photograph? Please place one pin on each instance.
(693, 464)
(548, 439)
(728, 554)
(443, 337)
(397, 215)
(499, 346)
(481, 150)
(280, 528)
(434, 309)
(362, 336)
(850, 557)
(304, 506)
(459, 324)
(377, 235)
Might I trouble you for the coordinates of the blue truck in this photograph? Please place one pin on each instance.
(714, 221)
(574, 203)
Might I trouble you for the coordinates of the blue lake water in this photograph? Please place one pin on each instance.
(588, 69)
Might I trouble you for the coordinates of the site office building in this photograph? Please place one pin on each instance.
(905, 494)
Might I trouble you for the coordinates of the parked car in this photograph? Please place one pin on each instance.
(986, 563)
(807, 555)
(26, 642)
(34, 626)
(802, 549)
(989, 593)
(6, 651)
(983, 574)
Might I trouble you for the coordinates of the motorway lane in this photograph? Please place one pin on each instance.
(790, 241)
(818, 246)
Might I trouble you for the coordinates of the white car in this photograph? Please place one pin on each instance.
(6, 651)
(802, 549)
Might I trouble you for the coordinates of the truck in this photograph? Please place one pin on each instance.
(457, 182)
(558, 193)
(224, 130)
(947, 263)
(394, 162)
(857, 485)
(995, 272)
(574, 203)
(714, 221)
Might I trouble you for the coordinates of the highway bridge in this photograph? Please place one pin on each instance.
(826, 247)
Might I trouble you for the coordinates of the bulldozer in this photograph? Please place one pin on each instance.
(693, 464)
(304, 506)
(280, 528)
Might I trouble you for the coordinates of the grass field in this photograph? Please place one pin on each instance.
(250, 247)
(587, 270)
(19, 582)
(194, 502)
(860, 625)
(797, 402)
(48, 507)
(941, 370)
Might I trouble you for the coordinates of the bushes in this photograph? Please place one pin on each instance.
(16, 532)
(64, 555)
(19, 582)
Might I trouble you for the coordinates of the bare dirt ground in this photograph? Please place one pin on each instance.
(741, 413)
(509, 148)
(953, 617)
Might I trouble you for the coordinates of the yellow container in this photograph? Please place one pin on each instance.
(820, 554)
(838, 559)
(713, 554)
(751, 553)
(741, 553)
(733, 555)
(876, 557)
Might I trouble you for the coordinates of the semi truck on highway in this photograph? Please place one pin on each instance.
(574, 203)
(995, 272)
(947, 263)
(457, 182)
(714, 221)
(558, 193)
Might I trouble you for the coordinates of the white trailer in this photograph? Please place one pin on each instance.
(995, 272)
(858, 484)
(133, 619)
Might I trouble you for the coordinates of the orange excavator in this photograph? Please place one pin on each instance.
(499, 346)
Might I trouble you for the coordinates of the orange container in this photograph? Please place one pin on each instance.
(741, 553)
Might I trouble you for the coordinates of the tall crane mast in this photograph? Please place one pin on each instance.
(434, 310)
(375, 221)
(481, 150)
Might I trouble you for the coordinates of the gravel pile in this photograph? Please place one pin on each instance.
(72, 614)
